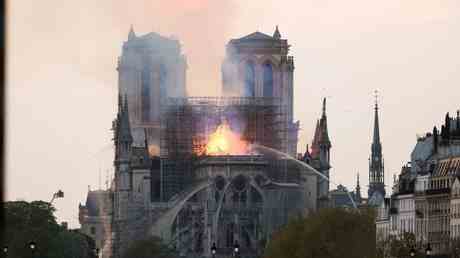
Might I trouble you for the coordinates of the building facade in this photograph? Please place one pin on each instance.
(209, 171)
(258, 65)
(95, 219)
(425, 197)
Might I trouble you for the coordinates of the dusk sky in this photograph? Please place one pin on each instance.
(62, 78)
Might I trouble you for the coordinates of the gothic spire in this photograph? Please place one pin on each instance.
(277, 34)
(357, 181)
(131, 34)
(324, 139)
(315, 143)
(376, 144)
(376, 139)
(358, 189)
(324, 107)
(376, 166)
(124, 129)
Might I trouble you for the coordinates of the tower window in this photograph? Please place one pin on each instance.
(163, 76)
(145, 94)
(249, 80)
(268, 80)
(93, 230)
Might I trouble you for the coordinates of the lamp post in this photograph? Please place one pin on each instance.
(236, 249)
(428, 250)
(32, 247)
(213, 250)
(5, 251)
(96, 252)
(412, 252)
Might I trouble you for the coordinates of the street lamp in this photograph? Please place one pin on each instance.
(213, 250)
(33, 247)
(96, 252)
(412, 252)
(5, 250)
(428, 250)
(236, 248)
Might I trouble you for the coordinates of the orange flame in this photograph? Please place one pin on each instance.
(225, 142)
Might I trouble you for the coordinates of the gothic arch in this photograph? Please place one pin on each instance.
(146, 88)
(267, 79)
(249, 79)
(227, 187)
(163, 76)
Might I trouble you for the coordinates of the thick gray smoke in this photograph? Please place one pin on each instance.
(202, 26)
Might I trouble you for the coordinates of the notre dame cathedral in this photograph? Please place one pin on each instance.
(202, 172)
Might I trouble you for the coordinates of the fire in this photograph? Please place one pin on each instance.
(225, 142)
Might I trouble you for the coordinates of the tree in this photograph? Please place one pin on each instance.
(328, 233)
(35, 221)
(399, 246)
(149, 248)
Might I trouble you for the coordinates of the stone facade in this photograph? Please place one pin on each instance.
(258, 65)
(425, 198)
(95, 219)
(163, 187)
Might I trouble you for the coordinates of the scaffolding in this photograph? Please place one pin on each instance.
(187, 123)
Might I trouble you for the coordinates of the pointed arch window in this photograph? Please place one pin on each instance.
(145, 93)
(268, 80)
(163, 75)
(249, 80)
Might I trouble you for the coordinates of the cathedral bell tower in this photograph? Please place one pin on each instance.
(258, 66)
(151, 68)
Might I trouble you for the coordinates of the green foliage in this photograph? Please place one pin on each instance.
(149, 248)
(399, 247)
(35, 221)
(329, 233)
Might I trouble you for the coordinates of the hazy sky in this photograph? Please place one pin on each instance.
(62, 82)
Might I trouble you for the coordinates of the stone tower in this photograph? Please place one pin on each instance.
(258, 65)
(376, 166)
(131, 190)
(121, 195)
(150, 69)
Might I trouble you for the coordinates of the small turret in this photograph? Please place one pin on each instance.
(277, 34)
(435, 139)
(458, 123)
(131, 34)
(447, 126)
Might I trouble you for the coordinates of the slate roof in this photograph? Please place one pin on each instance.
(95, 202)
(447, 167)
(376, 199)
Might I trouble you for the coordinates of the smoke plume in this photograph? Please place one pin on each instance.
(201, 26)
